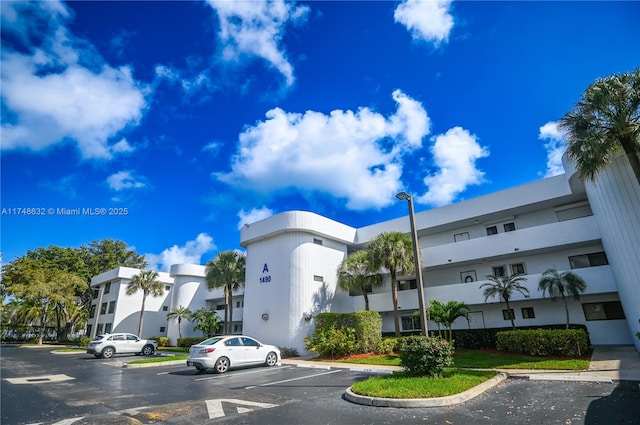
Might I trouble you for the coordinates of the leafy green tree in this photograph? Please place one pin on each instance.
(147, 282)
(107, 254)
(394, 252)
(356, 274)
(562, 285)
(227, 271)
(503, 287)
(447, 313)
(179, 313)
(207, 321)
(38, 284)
(605, 122)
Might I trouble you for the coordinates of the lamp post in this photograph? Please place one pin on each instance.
(416, 256)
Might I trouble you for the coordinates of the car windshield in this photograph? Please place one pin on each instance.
(210, 341)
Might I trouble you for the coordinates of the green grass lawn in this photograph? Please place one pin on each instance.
(160, 359)
(400, 385)
(485, 359)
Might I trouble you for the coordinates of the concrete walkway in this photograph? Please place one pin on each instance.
(607, 364)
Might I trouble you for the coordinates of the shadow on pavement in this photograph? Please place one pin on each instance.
(622, 406)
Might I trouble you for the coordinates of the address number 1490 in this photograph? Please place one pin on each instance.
(265, 279)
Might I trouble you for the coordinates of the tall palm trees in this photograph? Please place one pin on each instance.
(563, 285)
(393, 251)
(605, 121)
(503, 287)
(227, 271)
(355, 273)
(179, 313)
(147, 282)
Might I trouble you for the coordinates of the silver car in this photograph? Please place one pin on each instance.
(224, 352)
(107, 345)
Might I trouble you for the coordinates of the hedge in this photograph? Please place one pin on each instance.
(366, 324)
(544, 342)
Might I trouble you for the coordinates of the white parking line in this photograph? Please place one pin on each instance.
(226, 375)
(293, 379)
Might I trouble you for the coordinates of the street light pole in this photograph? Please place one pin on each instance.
(416, 256)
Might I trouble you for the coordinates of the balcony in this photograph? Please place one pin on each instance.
(523, 241)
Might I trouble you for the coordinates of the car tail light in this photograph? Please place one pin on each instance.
(207, 350)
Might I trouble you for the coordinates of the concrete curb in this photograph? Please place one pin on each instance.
(426, 402)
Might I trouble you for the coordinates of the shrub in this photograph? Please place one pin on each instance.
(162, 341)
(84, 341)
(544, 342)
(366, 324)
(388, 346)
(423, 356)
(188, 342)
(333, 342)
(286, 352)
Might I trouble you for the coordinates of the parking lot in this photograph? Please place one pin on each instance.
(39, 387)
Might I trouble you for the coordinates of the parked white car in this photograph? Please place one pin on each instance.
(107, 345)
(223, 352)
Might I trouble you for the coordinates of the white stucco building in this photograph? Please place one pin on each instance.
(592, 229)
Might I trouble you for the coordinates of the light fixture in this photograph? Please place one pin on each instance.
(265, 316)
(416, 255)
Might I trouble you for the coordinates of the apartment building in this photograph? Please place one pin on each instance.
(592, 229)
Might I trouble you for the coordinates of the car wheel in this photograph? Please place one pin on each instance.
(147, 350)
(222, 365)
(107, 353)
(200, 368)
(272, 359)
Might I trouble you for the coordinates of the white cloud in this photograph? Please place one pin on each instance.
(256, 28)
(352, 155)
(125, 180)
(555, 147)
(427, 20)
(256, 214)
(190, 253)
(455, 154)
(60, 89)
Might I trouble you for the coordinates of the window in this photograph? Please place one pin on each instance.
(492, 230)
(165, 308)
(95, 293)
(130, 337)
(237, 329)
(107, 328)
(239, 304)
(317, 241)
(499, 271)
(588, 260)
(469, 276)
(608, 310)
(107, 288)
(356, 292)
(508, 314)
(249, 342)
(220, 307)
(410, 323)
(92, 312)
(233, 342)
(112, 307)
(163, 329)
(461, 237)
(89, 328)
(103, 308)
(527, 313)
(317, 278)
(404, 285)
(517, 268)
(509, 227)
(99, 328)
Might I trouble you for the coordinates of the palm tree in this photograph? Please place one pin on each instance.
(227, 271)
(147, 282)
(605, 121)
(503, 287)
(446, 314)
(355, 274)
(206, 320)
(179, 313)
(562, 284)
(393, 251)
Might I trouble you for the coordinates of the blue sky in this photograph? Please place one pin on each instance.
(198, 117)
